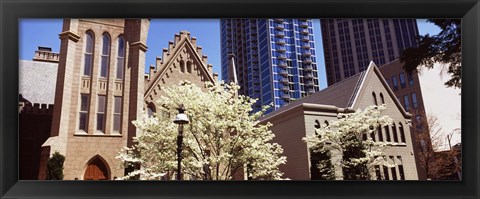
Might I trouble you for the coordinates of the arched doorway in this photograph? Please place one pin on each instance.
(97, 169)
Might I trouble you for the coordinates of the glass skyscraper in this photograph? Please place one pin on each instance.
(275, 58)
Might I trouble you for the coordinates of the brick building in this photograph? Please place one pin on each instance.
(293, 122)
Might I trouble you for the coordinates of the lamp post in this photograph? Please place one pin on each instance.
(180, 119)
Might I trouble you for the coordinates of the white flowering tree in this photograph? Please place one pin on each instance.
(352, 135)
(223, 140)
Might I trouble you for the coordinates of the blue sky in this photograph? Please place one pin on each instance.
(44, 32)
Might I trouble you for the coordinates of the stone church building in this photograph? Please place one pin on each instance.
(298, 119)
(100, 87)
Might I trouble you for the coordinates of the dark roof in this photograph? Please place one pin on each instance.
(37, 81)
(340, 94)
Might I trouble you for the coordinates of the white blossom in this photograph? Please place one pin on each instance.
(222, 138)
(357, 125)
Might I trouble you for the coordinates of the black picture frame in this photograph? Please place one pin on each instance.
(11, 11)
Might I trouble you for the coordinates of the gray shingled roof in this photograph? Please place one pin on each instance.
(339, 95)
(37, 81)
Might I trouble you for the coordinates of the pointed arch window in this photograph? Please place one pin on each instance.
(120, 57)
(182, 66)
(189, 67)
(88, 54)
(374, 96)
(382, 98)
(105, 55)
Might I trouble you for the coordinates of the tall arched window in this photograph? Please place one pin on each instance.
(105, 55)
(88, 60)
(394, 131)
(382, 98)
(120, 57)
(189, 67)
(402, 133)
(374, 96)
(182, 66)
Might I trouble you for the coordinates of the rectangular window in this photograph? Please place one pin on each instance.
(120, 61)
(410, 79)
(104, 66)
(88, 64)
(377, 172)
(393, 169)
(83, 112)
(101, 113)
(387, 133)
(117, 114)
(400, 168)
(406, 101)
(385, 173)
(380, 134)
(395, 83)
(414, 100)
(402, 80)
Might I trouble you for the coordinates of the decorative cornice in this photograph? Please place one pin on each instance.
(139, 45)
(69, 35)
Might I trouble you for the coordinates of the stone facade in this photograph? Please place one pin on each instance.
(297, 120)
(181, 61)
(405, 95)
(78, 92)
(88, 126)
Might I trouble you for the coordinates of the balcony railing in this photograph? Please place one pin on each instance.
(305, 38)
(304, 32)
(283, 72)
(280, 41)
(285, 88)
(46, 56)
(280, 34)
(303, 24)
(281, 48)
(285, 96)
(282, 56)
(308, 68)
(282, 64)
(307, 60)
(306, 53)
(306, 45)
(278, 20)
(284, 80)
(279, 26)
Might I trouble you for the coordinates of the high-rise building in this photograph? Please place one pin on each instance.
(350, 44)
(274, 58)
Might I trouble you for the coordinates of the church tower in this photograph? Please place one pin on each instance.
(99, 91)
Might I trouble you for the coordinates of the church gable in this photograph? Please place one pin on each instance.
(181, 61)
(373, 89)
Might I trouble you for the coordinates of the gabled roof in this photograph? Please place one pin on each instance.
(343, 94)
(37, 81)
(182, 41)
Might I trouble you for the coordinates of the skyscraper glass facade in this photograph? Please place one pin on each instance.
(275, 58)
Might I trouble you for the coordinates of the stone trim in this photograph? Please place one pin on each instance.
(69, 35)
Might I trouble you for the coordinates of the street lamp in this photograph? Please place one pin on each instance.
(180, 119)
